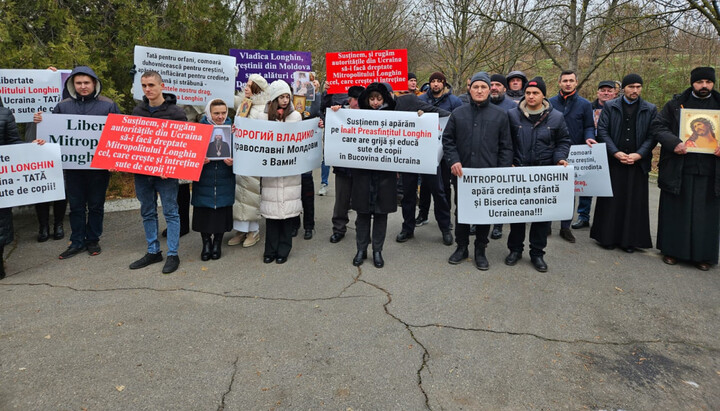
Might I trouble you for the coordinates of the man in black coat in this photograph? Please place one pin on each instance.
(540, 138)
(477, 136)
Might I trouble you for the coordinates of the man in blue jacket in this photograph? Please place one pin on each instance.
(581, 126)
(540, 138)
(85, 189)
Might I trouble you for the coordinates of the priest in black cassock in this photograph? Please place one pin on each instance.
(689, 213)
(623, 220)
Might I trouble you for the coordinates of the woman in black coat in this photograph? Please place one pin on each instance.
(8, 135)
(373, 191)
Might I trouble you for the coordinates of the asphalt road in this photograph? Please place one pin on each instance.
(600, 330)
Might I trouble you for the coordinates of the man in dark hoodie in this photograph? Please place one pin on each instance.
(689, 211)
(540, 138)
(157, 104)
(477, 136)
(516, 81)
(85, 189)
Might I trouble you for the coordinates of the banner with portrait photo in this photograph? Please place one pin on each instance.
(276, 149)
(30, 174)
(515, 194)
(302, 85)
(220, 143)
(699, 130)
(592, 173)
(398, 141)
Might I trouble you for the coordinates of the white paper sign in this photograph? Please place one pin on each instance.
(77, 136)
(25, 92)
(382, 140)
(515, 194)
(592, 175)
(276, 149)
(194, 78)
(30, 174)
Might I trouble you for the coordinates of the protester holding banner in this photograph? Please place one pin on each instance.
(540, 138)
(246, 209)
(8, 135)
(85, 189)
(280, 196)
(213, 195)
(157, 104)
(689, 212)
(373, 191)
(623, 220)
(477, 136)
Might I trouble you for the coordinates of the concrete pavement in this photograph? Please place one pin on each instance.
(601, 330)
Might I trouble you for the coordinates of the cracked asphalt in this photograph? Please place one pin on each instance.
(601, 330)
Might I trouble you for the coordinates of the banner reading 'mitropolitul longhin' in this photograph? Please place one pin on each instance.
(382, 140)
(515, 194)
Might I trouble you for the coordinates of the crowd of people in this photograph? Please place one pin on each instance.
(500, 121)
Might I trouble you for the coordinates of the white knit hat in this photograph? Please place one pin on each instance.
(259, 80)
(277, 88)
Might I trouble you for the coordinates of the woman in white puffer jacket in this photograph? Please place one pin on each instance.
(280, 196)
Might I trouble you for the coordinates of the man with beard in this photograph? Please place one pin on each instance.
(689, 211)
(623, 220)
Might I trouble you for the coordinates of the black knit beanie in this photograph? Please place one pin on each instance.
(500, 79)
(702, 73)
(437, 76)
(631, 78)
(539, 83)
(411, 76)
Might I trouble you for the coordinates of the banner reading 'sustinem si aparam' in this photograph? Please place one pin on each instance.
(78, 136)
(276, 149)
(515, 194)
(30, 174)
(382, 140)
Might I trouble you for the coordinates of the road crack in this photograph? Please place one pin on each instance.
(221, 407)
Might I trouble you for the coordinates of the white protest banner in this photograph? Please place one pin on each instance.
(25, 92)
(515, 194)
(382, 140)
(592, 175)
(276, 149)
(77, 136)
(194, 78)
(30, 174)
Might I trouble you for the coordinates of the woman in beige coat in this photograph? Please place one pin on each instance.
(246, 210)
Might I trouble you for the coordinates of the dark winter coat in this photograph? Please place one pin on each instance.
(216, 186)
(169, 110)
(447, 101)
(411, 102)
(504, 102)
(375, 191)
(92, 105)
(8, 135)
(578, 116)
(665, 129)
(538, 144)
(610, 127)
(478, 136)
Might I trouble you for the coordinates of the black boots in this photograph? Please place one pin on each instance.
(212, 246)
(43, 233)
(58, 232)
(207, 246)
(216, 246)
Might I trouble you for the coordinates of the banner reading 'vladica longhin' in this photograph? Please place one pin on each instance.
(276, 149)
(30, 174)
(515, 194)
(194, 78)
(382, 140)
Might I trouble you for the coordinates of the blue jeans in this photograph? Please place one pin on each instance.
(584, 204)
(85, 191)
(324, 173)
(147, 189)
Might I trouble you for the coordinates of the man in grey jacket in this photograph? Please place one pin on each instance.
(477, 136)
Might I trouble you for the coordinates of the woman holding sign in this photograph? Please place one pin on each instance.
(373, 191)
(213, 195)
(280, 196)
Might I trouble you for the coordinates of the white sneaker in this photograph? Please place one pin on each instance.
(323, 190)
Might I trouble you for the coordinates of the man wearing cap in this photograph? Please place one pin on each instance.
(540, 138)
(606, 91)
(477, 136)
(581, 126)
(689, 211)
(623, 220)
(440, 94)
(516, 84)
(412, 86)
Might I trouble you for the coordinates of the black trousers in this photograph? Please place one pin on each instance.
(183, 200)
(538, 237)
(379, 229)
(343, 188)
(278, 239)
(442, 207)
(445, 178)
(43, 212)
(307, 196)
